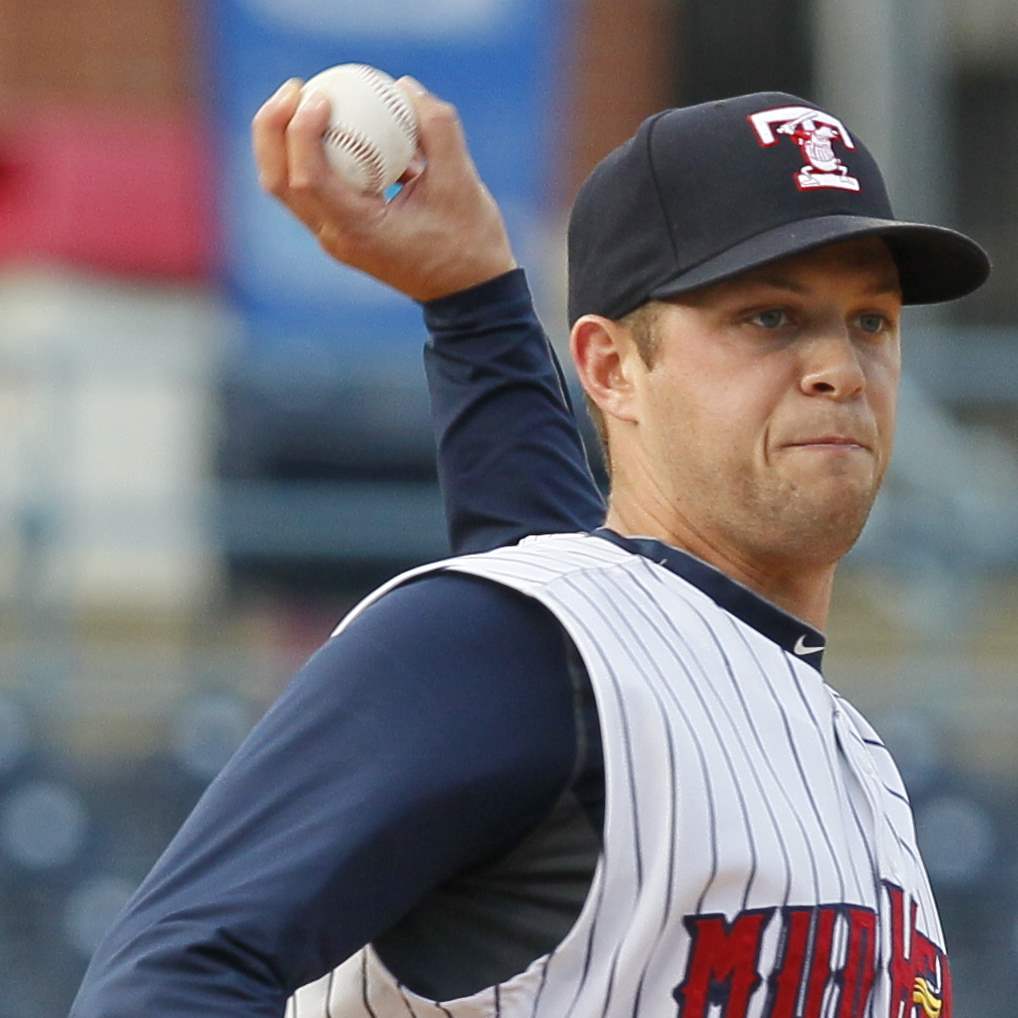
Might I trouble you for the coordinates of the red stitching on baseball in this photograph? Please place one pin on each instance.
(394, 100)
(364, 152)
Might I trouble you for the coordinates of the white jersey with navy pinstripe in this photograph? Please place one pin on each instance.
(759, 854)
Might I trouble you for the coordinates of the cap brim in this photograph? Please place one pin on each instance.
(934, 263)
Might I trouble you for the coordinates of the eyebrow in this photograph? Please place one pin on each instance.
(884, 284)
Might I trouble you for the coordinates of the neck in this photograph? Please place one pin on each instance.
(802, 589)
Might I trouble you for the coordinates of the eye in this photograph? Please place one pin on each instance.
(873, 323)
(771, 318)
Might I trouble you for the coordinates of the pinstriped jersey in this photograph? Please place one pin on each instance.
(759, 856)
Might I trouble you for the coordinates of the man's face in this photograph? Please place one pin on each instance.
(767, 417)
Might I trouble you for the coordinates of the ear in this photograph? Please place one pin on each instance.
(603, 353)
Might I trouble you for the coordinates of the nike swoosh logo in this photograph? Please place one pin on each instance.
(800, 647)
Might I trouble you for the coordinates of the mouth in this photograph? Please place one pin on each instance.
(839, 443)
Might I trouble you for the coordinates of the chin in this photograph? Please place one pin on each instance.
(829, 533)
(820, 524)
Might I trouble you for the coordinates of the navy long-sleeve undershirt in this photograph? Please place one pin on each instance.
(430, 737)
(510, 459)
(427, 739)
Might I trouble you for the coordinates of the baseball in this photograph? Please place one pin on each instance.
(372, 132)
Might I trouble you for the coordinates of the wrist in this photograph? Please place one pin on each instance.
(474, 273)
(464, 308)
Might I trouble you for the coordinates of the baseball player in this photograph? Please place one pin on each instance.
(593, 773)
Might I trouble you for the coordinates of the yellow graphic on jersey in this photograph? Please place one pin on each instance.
(924, 994)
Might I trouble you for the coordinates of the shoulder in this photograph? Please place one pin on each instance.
(468, 682)
(520, 569)
(450, 681)
(472, 655)
(538, 561)
(456, 610)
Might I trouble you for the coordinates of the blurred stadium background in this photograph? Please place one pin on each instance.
(213, 440)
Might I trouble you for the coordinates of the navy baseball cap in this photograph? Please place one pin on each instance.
(702, 193)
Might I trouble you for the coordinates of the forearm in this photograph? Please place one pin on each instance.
(510, 458)
(155, 976)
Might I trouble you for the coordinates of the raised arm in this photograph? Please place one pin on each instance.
(510, 460)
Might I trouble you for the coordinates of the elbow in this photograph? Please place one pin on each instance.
(175, 969)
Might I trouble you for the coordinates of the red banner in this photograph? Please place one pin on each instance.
(106, 188)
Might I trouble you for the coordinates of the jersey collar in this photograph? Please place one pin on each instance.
(797, 637)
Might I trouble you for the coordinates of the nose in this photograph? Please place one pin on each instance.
(831, 367)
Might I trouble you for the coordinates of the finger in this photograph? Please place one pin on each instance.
(414, 91)
(414, 168)
(411, 86)
(316, 193)
(268, 136)
(441, 135)
(306, 164)
(311, 179)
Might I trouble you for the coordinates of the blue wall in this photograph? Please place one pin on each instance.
(494, 59)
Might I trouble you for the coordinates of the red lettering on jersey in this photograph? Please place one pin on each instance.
(920, 979)
(859, 971)
(808, 933)
(820, 960)
(786, 980)
(722, 966)
(722, 973)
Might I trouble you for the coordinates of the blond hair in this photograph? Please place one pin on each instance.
(642, 326)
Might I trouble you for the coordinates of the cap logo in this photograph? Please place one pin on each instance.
(816, 134)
